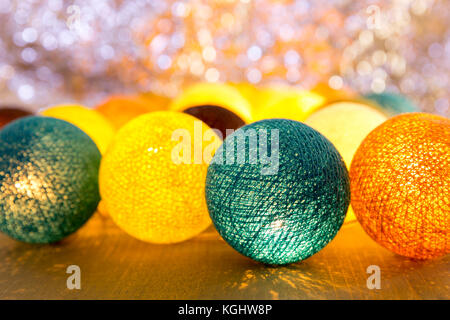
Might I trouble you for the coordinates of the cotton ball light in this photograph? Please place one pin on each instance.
(48, 179)
(120, 109)
(93, 123)
(220, 106)
(392, 103)
(288, 103)
(346, 124)
(152, 178)
(400, 183)
(281, 203)
(9, 113)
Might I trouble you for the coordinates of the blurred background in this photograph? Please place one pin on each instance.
(55, 51)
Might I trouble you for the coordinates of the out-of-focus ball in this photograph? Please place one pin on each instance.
(400, 182)
(48, 179)
(287, 103)
(346, 124)
(155, 100)
(392, 103)
(279, 204)
(333, 95)
(120, 109)
(220, 106)
(93, 123)
(248, 91)
(10, 113)
(152, 179)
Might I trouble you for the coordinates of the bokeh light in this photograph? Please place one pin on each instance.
(54, 51)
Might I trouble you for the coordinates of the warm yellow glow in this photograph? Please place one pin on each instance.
(96, 126)
(346, 124)
(143, 188)
(221, 95)
(286, 103)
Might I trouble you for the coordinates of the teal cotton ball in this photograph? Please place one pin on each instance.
(48, 179)
(392, 103)
(277, 213)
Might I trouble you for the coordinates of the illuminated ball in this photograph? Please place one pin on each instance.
(287, 103)
(281, 203)
(151, 188)
(346, 124)
(400, 183)
(248, 91)
(10, 113)
(155, 100)
(48, 179)
(121, 109)
(392, 103)
(220, 106)
(93, 123)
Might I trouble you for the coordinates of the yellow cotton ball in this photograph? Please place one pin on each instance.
(346, 124)
(152, 179)
(251, 93)
(287, 103)
(95, 125)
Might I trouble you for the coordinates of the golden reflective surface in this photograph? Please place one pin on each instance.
(117, 266)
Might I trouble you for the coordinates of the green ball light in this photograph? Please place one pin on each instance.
(277, 216)
(392, 103)
(48, 179)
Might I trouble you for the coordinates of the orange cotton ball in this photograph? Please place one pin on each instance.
(400, 185)
(120, 109)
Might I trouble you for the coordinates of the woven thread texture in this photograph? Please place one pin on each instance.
(288, 216)
(48, 179)
(145, 192)
(400, 182)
